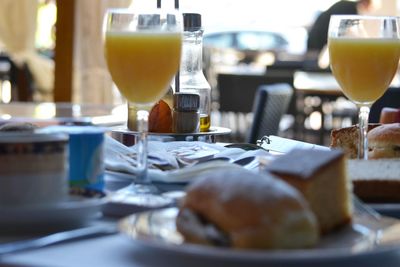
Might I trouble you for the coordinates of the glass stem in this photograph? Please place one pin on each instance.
(143, 128)
(363, 127)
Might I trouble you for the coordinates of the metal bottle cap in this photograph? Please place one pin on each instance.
(191, 22)
(186, 102)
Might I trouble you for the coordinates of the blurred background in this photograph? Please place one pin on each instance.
(52, 51)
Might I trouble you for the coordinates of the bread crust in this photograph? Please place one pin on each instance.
(253, 210)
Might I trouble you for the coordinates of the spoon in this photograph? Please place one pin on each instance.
(242, 162)
(57, 238)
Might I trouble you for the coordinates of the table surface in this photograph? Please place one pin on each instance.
(316, 83)
(49, 113)
(323, 83)
(118, 250)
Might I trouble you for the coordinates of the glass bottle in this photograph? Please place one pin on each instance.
(192, 79)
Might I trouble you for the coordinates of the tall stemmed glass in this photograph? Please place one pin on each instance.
(364, 53)
(143, 51)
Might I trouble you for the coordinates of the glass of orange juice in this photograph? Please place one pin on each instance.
(143, 51)
(364, 53)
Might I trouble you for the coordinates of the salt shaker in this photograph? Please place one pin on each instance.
(185, 115)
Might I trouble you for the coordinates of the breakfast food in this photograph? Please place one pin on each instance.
(243, 209)
(160, 118)
(389, 115)
(384, 141)
(347, 139)
(321, 177)
(376, 180)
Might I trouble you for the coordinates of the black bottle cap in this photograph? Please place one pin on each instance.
(191, 22)
(186, 101)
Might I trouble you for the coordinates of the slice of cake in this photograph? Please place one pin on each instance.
(321, 177)
(347, 139)
(376, 180)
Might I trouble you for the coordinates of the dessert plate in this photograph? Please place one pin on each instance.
(364, 238)
(75, 210)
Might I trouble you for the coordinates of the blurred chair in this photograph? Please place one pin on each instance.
(390, 99)
(236, 94)
(271, 103)
(22, 83)
(237, 91)
(20, 77)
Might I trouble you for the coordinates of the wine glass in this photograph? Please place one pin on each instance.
(364, 53)
(143, 51)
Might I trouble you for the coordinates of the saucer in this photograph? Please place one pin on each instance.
(75, 210)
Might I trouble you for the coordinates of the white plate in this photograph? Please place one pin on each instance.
(357, 242)
(73, 211)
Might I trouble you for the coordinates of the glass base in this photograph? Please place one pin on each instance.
(139, 189)
(135, 198)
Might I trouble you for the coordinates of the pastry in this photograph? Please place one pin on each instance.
(384, 141)
(389, 115)
(242, 209)
(321, 177)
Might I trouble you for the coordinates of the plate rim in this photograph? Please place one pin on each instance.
(69, 211)
(266, 256)
(71, 202)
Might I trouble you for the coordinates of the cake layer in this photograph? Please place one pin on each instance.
(376, 180)
(321, 177)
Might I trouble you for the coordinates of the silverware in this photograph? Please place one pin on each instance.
(360, 207)
(57, 238)
(242, 162)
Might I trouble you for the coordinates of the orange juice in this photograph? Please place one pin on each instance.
(364, 68)
(142, 65)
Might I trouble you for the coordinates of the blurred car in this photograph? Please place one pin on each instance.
(246, 40)
(244, 46)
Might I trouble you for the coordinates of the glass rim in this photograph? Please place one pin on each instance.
(130, 10)
(367, 17)
(121, 10)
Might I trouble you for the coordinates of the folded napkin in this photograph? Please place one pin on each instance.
(174, 161)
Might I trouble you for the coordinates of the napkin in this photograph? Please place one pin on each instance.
(178, 161)
(168, 161)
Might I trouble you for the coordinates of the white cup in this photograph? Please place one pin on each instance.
(33, 168)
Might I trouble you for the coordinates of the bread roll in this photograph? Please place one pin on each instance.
(242, 209)
(384, 141)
